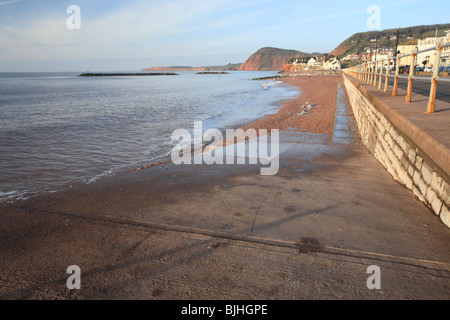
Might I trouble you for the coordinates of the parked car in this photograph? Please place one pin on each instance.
(428, 69)
(420, 68)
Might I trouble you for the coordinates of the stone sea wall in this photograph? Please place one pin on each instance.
(411, 156)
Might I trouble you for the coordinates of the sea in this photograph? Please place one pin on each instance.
(58, 130)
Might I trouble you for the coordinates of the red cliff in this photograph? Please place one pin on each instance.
(268, 59)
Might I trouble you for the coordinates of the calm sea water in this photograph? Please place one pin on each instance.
(59, 129)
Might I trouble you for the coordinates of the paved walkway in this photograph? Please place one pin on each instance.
(437, 124)
(227, 232)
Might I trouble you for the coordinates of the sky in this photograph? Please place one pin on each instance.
(111, 35)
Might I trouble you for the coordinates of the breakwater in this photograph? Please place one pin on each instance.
(89, 74)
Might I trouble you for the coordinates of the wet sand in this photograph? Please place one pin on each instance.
(318, 90)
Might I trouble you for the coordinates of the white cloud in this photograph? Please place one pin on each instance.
(138, 29)
(9, 2)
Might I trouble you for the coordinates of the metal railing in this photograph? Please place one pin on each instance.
(369, 72)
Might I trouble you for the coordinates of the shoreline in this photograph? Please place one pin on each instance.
(285, 117)
(319, 119)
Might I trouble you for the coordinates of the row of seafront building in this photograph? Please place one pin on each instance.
(313, 62)
(424, 59)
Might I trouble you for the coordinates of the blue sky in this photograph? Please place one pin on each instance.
(130, 35)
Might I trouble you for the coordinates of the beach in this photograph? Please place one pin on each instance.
(320, 90)
(226, 232)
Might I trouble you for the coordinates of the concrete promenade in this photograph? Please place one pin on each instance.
(437, 125)
(226, 232)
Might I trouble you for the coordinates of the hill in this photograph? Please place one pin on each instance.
(268, 59)
(386, 38)
(265, 59)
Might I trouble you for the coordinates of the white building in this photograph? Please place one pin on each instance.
(427, 59)
(333, 64)
(314, 62)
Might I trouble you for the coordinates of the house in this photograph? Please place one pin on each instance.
(405, 49)
(315, 62)
(352, 57)
(333, 64)
(378, 53)
(302, 61)
(445, 53)
(427, 59)
(312, 62)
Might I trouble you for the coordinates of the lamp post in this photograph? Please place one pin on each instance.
(396, 49)
(375, 67)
